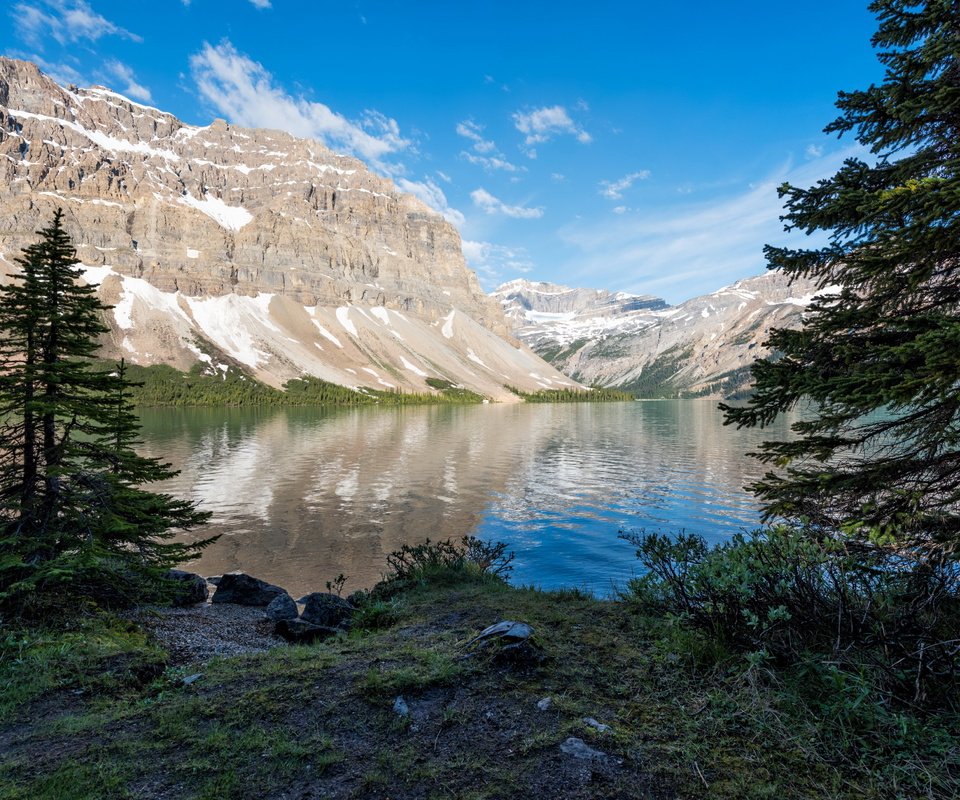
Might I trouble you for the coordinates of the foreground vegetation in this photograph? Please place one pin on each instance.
(93, 708)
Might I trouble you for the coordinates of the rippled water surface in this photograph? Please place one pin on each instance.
(302, 495)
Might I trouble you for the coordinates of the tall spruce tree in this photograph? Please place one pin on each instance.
(877, 357)
(70, 496)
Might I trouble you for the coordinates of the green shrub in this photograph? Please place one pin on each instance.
(449, 560)
(787, 596)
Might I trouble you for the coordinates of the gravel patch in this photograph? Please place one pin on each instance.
(203, 631)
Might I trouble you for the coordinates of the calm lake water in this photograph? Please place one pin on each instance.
(301, 495)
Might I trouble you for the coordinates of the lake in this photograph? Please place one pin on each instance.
(301, 495)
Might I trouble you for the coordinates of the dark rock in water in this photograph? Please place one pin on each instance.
(244, 590)
(281, 607)
(190, 588)
(322, 608)
(296, 631)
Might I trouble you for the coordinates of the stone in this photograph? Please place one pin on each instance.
(190, 588)
(577, 748)
(281, 607)
(329, 610)
(400, 707)
(507, 630)
(297, 631)
(245, 590)
(599, 726)
(544, 705)
(192, 678)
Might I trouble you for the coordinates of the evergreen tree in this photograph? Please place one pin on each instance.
(877, 357)
(70, 500)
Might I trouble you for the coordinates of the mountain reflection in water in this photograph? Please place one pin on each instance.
(301, 495)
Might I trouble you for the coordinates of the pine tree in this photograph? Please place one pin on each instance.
(878, 357)
(70, 496)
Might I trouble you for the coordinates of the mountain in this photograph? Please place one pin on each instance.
(703, 347)
(248, 248)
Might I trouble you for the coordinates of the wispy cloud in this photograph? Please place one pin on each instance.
(813, 151)
(687, 249)
(244, 91)
(430, 193)
(542, 124)
(495, 263)
(128, 81)
(261, 3)
(614, 189)
(66, 21)
(493, 205)
(485, 153)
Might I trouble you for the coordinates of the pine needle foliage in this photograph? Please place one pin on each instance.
(877, 360)
(72, 510)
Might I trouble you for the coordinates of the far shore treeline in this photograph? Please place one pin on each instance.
(163, 385)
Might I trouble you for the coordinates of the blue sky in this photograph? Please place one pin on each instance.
(625, 145)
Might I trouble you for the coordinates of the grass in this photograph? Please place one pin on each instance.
(96, 710)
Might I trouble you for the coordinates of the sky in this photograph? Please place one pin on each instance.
(632, 146)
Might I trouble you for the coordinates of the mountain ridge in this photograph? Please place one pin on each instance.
(701, 347)
(233, 245)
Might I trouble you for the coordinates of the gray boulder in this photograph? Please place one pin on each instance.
(328, 610)
(189, 588)
(579, 749)
(281, 607)
(244, 590)
(296, 631)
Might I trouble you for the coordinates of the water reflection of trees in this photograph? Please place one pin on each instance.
(303, 494)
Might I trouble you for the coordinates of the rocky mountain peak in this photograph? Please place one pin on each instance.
(294, 240)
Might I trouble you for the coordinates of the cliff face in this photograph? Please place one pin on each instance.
(704, 346)
(246, 244)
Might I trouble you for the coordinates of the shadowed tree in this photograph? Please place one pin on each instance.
(878, 355)
(70, 496)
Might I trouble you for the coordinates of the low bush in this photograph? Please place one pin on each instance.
(791, 596)
(429, 561)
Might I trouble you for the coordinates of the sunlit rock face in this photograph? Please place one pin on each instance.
(248, 246)
(703, 347)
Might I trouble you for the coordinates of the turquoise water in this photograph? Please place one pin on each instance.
(301, 495)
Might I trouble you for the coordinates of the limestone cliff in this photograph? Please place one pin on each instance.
(247, 245)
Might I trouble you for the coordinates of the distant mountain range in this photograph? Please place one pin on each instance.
(703, 347)
(246, 248)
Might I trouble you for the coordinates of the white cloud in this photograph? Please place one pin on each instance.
(485, 153)
(813, 151)
(492, 205)
(542, 124)
(128, 81)
(495, 263)
(620, 209)
(431, 194)
(443, 176)
(67, 21)
(243, 91)
(614, 189)
(491, 163)
(469, 129)
(260, 3)
(690, 249)
(559, 177)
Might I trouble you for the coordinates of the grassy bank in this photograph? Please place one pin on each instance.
(93, 709)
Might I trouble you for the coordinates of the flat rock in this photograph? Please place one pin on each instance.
(297, 631)
(580, 749)
(245, 590)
